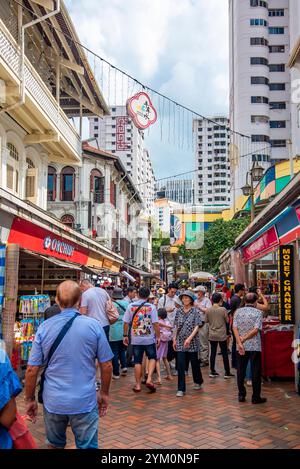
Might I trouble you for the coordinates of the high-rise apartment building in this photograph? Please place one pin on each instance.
(177, 190)
(212, 176)
(118, 135)
(259, 84)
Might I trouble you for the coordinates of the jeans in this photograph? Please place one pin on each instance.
(139, 350)
(248, 372)
(106, 330)
(84, 428)
(182, 358)
(213, 353)
(119, 351)
(242, 362)
(204, 343)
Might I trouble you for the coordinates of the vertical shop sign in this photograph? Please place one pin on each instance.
(286, 285)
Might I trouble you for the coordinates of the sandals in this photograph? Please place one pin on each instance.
(151, 387)
(136, 390)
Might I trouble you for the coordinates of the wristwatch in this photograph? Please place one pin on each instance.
(125, 335)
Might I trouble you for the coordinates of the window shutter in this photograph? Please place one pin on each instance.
(9, 177)
(31, 179)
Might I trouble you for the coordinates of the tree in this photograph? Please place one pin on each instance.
(220, 235)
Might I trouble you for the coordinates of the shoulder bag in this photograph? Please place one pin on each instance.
(112, 312)
(54, 346)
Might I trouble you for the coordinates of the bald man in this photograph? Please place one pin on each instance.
(69, 394)
(93, 304)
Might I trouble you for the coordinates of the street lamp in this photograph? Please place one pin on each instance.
(255, 173)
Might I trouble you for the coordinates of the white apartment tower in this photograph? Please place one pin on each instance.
(118, 135)
(212, 176)
(259, 83)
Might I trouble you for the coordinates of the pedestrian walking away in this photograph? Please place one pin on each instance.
(93, 304)
(186, 341)
(116, 335)
(203, 304)
(235, 302)
(217, 319)
(168, 301)
(145, 336)
(247, 326)
(166, 334)
(69, 394)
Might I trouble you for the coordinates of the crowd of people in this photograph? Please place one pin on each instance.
(159, 333)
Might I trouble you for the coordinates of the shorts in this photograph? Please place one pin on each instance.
(84, 428)
(139, 350)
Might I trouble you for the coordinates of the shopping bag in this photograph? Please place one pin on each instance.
(20, 434)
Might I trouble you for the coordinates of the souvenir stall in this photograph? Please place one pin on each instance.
(269, 258)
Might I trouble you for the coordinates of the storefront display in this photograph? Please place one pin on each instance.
(30, 316)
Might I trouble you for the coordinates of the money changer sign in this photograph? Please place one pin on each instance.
(287, 286)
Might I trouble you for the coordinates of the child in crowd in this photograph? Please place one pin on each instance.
(166, 335)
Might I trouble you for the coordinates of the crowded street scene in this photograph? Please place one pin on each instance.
(149, 228)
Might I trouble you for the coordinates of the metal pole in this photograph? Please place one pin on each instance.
(252, 198)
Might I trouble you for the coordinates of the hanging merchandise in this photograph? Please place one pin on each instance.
(31, 310)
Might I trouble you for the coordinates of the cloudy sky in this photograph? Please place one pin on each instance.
(178, 47)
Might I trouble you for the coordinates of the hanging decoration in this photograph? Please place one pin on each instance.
(141, 110)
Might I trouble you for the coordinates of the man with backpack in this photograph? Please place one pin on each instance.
(116, 335)
(145, 336)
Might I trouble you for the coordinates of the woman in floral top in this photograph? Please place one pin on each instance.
(186, 343)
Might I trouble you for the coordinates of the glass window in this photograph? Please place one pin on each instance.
(276, 12)
(67, 184)
(278, 143)
(277, 67)
(277, 86)
(258, 41)
(276, 30)
(276, 49)
(258, 22)
(259, 119)
(258, 61)
(277, 124)
(260, 138)
(278, 105)
(259, 81)
(259, 100)
(13, 152)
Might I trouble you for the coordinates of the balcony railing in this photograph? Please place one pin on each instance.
(36, 88)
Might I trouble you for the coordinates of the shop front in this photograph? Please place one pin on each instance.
(37, 253)
(269, 251)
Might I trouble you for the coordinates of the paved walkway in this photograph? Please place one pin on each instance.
(210, 418)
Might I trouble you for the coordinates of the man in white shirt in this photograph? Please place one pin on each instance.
(203, 304)
(168, 302)
(93, 304)
(131, 295)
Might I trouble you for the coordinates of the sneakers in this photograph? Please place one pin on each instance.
(242, 399)
(228, 375)
(249, 382)
(180, 394)
(204, 364)
(116, 377)
(197, 387)
(213, 374)
(261, 400)
(124, 371)
(175, 373)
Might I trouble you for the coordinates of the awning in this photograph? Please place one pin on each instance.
(52, 260)
(127, 275)
(142, 273)
(205, 276)
(92, 270)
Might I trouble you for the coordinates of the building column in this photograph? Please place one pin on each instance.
(10, 295)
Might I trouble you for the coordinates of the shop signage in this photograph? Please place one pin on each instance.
(141, 110)
(286, 285)
(56, 245)
(107, 263)
(35, 238)
(261, 245)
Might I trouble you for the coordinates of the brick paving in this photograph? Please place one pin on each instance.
(210, 418)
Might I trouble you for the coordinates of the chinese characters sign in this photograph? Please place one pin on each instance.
(287, 286)
(121, 143)
(141, 110)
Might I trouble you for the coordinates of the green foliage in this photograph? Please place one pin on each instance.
(156, 244)
(220, 235)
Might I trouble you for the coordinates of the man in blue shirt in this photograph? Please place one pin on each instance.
(69, 390)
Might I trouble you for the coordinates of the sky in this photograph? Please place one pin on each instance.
(179, 48)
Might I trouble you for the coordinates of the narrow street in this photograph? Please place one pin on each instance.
(208, 419)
